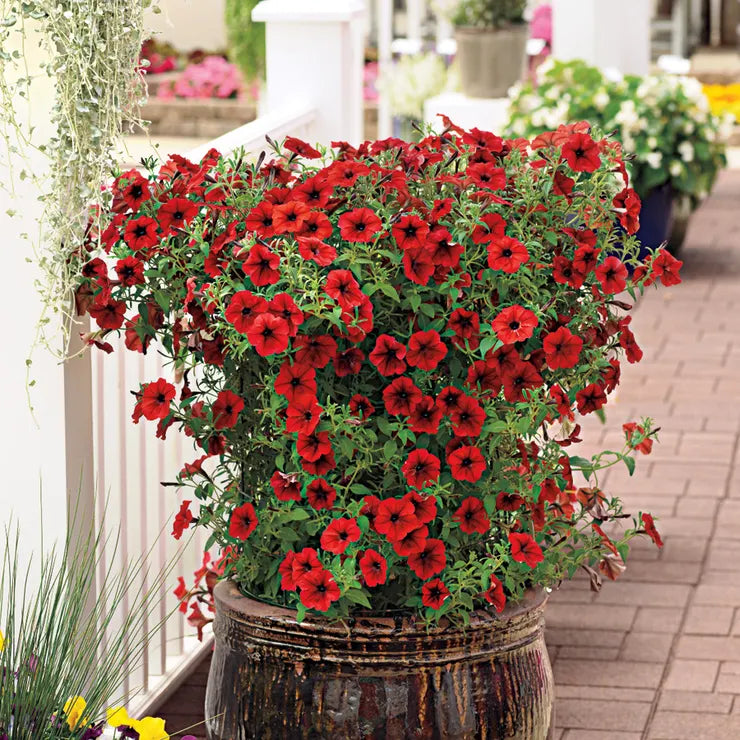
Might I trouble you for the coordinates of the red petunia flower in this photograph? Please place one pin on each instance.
(652, 532)
(374, 568)
(467, 417)
(417, 265)
(287, 583)
(288, 218)
(183, 518)
(345, 172)
(296, 382)
(449, 399)
(410, 232)
(514, 324)
(585, 258)
(562, 348)
(401, 396)
(319, 590)
(484, 375)
(244, 307)
(471, 516)
(141, 233)
(320, 494)
(440, 209)
(434, 593)
(489, 227)
(269, 335)
(360, 406)
(628, 205)
(430, 560)
(395, 518)
(425, 416)
(348, 362)
(581, 153)
(631, 431)
(495, 595)
(388, 355)
(425, 350)
(130, 271)
(411, 542)
(506, 254)
(226, 410)
(312, 446)
(311, 248)
(133, 188)
(612, 275)
(441, 249)
(466, 325)
(284, 306)
(339, 535)
(303, 416)
(259, 220)
(666, 267)
(286, 486)
(467, 463)
(521, 377)
(292, 144)
(316, 191)
(591, 398)
(343, 288)
(421, 467)
(360, 225)
(261, 266)
(370, 509)
(564, 273)
(155, 399)
(524, 549)
(243, 522)
(509, 501)
(486, 176)
(175, 213)
(425, 507)
(315, 351)
(304, 563)
(109, 314)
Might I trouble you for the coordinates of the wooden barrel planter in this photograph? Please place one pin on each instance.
(375, 677)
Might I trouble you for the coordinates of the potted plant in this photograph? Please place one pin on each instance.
(677, 145)
(491, 43)
(380, 353)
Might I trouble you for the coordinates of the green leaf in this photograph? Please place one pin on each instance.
(300, 613)
(385, 426)
(389, 449)
(357, 596)
(389, 290)
(630, 463)
(296, 515)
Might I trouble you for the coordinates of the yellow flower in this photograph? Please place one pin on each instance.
(2, 642)
(150, 728)
(118, 716)
(74, 708)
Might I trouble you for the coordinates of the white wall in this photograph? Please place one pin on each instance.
(190, 24)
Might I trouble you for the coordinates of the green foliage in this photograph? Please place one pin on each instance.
(489, 13)
(246, 38)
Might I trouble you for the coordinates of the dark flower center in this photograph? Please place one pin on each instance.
(140, 230)
(507, 252)
(514, 325)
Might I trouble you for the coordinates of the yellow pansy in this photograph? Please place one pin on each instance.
(118, 716)
(150, 728)
(74, 708)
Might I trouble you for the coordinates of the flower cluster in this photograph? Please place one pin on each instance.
(724, 99)
(379, 353)
(663, 120)
(486, 13)
(213, 77)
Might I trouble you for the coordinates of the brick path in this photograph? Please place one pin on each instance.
(656, 655)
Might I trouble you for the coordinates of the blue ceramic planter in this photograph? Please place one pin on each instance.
(656, 219)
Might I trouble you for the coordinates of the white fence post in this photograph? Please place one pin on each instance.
(315, 51)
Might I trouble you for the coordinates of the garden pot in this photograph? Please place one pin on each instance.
(375, 677)
(682, 210)
(490, 60)
(656, 218)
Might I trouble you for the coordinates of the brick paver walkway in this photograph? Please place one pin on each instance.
(656, 655)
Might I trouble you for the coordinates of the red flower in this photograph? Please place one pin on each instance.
(286, 572)
(338, 536)
(319, 590)
(420, 468)
(430, 560)
(514, 324)
(316, 191)
(320, 494)
(395, 518)
(434, 593)
(495, 595)
(466, 325)
(261, 265)
(564, 273)
(183, 518)
(581, 153)
(425, 416)
(345, 172)
(584, 260)
(491, 226)
(425, 350)
(304, 563)
(130, 271)
(472, 517)
(410, 231)
(525, 550)
(521, 377)
(312, 446)
(417, 265)
(155, 399)
(411, 542)
(632, 430)
(401, 396)
(288, 218)
(259, 220)
(109, 315)
(666, 267)
(296, 382)
(243, 522)
(562, 348)
(484, 375)
(467, 463)
(301, 147)
(360, 225)
(441, 249)
(141, 233)
(348, 362)
(133, 188)
(315, 351)
(506, 254)
(284, 306)
(388, 354)
(509, 501)
(486, 176)
(370, 509)
(360, 406)
(311, 248)
(374, 568)
(244, 307)
(425, 507)
(449, 399)
(627, 204)
(440, 209)
(591, 398)
(343, 288)
(269, 335)
(652, 532)
(467, 417)
(226, 410)
(287, 487)
(303, 416)
(612, 275)
(175, 213)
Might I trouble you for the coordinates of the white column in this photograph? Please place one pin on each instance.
(315, 51)
(603, 34)
(385, 59)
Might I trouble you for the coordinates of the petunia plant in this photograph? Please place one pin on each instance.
(380, 354)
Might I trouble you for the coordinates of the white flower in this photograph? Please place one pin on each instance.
(652, 142)
(688, 127)
(601, 100)
(654, 159)
(627, 116)
(676, 168)
(686, 150)
(628, 143)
